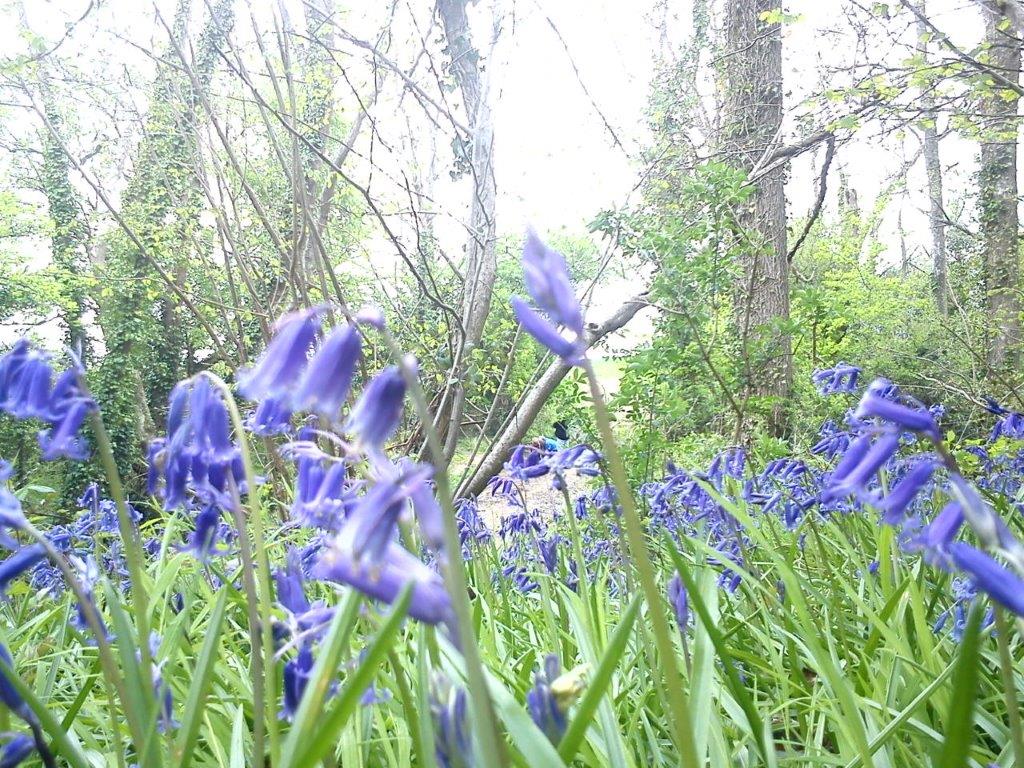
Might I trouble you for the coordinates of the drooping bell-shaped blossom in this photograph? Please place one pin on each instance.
(377, 413)
(526, 462)
(876, 404)
(551, 696)
(161, 690)
(22, 560)
(11, 514)
(26, 381)
(679, 599)
(15, 750)
(9, 695)
(453, 745)
(297, 672)
(385, 579)
(840, 379)
(324, 497)
(870, 457)
(272, 416)
(988, 575)
(894, 504)
(281, 366)
(328, 376)
(62, 440)
(209, 539)
(547, 282)
(833, 442)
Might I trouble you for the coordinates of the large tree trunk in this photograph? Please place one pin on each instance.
(998, 192)
(752, 80)
(481, 260)
(933, 171)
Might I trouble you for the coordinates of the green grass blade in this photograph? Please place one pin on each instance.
(598, 685)
(195, 702)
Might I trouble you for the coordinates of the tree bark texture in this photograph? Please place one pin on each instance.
(752, 120)
(998, 192)
(481, 259)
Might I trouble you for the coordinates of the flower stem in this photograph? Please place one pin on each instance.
(682, 725)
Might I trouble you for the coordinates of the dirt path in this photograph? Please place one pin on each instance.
(539, 495)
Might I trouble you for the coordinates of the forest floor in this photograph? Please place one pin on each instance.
(539, 496)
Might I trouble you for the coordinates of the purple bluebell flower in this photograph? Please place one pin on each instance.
(374, 695)
(11, 514)
(385, 580)
(328, 377)
(15, 750)
(272, 416)
(297, 672)
(1009, 425)
(988, 575)
(8, 693)
(855, 478)
(876, 404)
(840, 379)
(548, 550)
(547, 708)
(680, 601)
(26, 382)
(833, 442)
(209, 537)
(895, 503)
(526, 462)
(22, 560)
(282, 364)
(161, 691)
(453, 747)
(377, 413)
(62, 440)
(547, 282)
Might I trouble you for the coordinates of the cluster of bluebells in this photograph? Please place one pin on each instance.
(30, 389)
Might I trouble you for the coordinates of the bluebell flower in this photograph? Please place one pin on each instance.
(988, 575)
(453, 747)
(374, 695)
(272, 416)
(62, 440)
(209, 537)
(526, 462)
(840, 379)
(11, 514)
(377, 413)
(875, 403)
(161, 691)
(15, 750)
(548, 550)
(385, 579)
(22, 560)
(328, 377)
(680, 601)
(550, 698)
(869, 458)
(833, 442)
(297, 672)
(895, 503)
(8, 693)
(26, 380)
(547, 282)
(282, 364)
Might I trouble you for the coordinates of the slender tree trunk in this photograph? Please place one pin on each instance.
(998, 193)
(752, 79)
(481, 259)
(933, 171)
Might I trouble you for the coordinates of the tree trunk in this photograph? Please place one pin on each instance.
(933, 171)
(998, 193)
(752, 80)
(481, 260)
